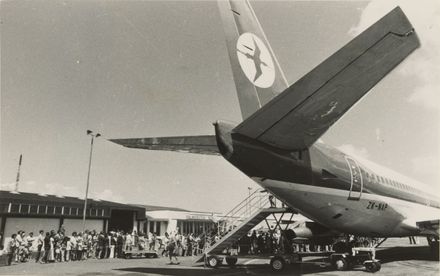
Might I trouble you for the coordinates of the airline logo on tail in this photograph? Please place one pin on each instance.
(255, 60)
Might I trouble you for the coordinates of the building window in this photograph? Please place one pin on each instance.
(41, 209)
(58, 210)
(145, 227)
(15, 207)
(152, 226)
(158, 228)
(33, 209)
(50, 210)
(73, 211)
(24, 209)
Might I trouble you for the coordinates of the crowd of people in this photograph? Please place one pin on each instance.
(57, 246)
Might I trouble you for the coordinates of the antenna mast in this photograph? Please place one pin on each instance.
(17, 180)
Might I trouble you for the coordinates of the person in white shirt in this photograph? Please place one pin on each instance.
(128, 242)
(40, 244)
(73, 248)
(68, 248)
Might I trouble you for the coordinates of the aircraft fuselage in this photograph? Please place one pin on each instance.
(330, 187)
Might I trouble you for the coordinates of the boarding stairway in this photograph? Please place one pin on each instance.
(241, 219)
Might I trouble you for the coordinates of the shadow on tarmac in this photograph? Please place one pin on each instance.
(256, 269)
(393, 254)
(385, 255)
(176, 271)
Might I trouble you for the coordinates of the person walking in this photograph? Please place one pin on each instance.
(119, 244)
(172, 249)
(40, 243)
(68, 248)
(52, 246)
(164, 244)
(46, 247)
(11, 247)
(100, 245)
(272, 201)
(113, 242)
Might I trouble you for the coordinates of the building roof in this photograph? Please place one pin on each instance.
(149, 208)
(59, 204)
(160, 208)
(12, 202)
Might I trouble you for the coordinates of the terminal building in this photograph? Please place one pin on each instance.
(32, 212)
(167, 219)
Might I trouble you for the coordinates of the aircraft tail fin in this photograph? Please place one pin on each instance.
(301, 114)
(256, 71)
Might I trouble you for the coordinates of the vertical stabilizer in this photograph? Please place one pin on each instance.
(257, 74)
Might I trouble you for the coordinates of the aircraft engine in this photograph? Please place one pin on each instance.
(310, 231)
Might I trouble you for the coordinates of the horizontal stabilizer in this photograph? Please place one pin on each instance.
(301, 114)
(203, 144)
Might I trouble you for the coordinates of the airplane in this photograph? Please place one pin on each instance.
(278, 142)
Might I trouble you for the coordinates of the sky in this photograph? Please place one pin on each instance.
(130, 69)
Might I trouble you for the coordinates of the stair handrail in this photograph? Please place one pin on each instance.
(250, 205)
(243, 201)
(243, 204)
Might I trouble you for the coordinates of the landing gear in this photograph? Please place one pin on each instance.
(357, 256)
(340, 263)
(231, 261)
(372, 266)
(213, 261)
(277, 263)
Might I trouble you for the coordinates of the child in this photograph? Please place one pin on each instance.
(10, 248)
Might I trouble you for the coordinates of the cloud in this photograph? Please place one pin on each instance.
(9, 186)
(46, 188)
(27, 186)
(352, 150)
(423, 66)
(60, 190)
(107, 194)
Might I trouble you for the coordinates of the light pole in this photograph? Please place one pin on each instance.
(93, 135)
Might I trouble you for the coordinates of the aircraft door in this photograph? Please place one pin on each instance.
(356, 181)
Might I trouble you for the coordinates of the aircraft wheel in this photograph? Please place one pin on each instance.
(341, 264)
(373, 267)
(378, 266)
(277, 264)
(231, 261)
(212, 261)
(368, 267)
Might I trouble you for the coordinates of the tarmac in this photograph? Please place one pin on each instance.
(396, 255)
